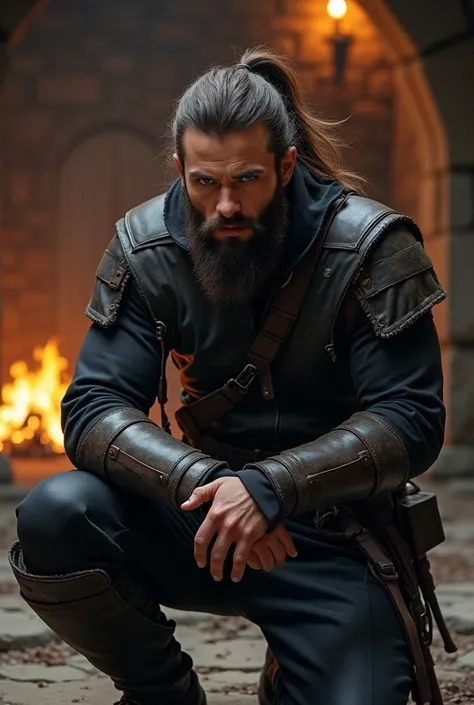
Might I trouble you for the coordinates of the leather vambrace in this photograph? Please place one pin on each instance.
(361, 458)
(127, 449)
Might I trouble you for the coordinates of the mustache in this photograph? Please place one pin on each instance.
(238, 220)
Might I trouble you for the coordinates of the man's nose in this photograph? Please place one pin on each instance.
(227, 205)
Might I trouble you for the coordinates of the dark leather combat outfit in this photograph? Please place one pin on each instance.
(352, 409)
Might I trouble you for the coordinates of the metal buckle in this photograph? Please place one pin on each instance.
(387, 571)
(245, 378)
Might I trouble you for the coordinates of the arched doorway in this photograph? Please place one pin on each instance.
(102, 178)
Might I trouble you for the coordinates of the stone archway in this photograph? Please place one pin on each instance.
(420, 169)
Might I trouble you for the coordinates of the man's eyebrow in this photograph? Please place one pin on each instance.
(251, 171)
(197, 174)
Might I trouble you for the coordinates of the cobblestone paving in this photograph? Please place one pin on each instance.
(36, 669)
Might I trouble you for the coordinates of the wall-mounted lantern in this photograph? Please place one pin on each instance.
(341, 42)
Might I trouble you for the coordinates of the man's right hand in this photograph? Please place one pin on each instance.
(271, 550)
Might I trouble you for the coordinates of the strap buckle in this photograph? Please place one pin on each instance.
(245, 378)
(387, 571)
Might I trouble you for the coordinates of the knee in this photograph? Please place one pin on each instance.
(51, 518)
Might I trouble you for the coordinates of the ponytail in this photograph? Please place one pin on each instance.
(318, 146)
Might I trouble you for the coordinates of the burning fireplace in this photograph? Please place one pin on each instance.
(30, 424)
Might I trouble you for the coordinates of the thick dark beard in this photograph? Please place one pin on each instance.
(233, 272)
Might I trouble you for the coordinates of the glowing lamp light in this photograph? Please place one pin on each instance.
(337, 9)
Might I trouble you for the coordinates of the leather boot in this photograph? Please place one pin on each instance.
(134, 645)
(266, 685)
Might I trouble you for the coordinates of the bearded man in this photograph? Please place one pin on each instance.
(240, 516)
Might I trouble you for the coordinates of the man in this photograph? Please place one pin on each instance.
(349, 409)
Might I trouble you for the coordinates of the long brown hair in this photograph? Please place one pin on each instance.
(263, 87)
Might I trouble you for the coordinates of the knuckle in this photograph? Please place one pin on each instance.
(240, 558)
(199, 539)
(229, 524)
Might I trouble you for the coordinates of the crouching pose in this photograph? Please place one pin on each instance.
(298, 313)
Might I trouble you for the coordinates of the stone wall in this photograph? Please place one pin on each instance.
(461, 309)
(85, 66)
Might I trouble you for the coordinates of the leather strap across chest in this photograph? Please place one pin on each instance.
(195, 417)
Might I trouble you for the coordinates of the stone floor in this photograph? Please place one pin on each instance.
(37, 670)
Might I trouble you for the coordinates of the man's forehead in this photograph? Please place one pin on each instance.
(251, 145)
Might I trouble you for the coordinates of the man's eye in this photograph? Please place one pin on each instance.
(247, 178)
(206, 182)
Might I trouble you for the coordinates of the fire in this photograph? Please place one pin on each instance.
(31, 408)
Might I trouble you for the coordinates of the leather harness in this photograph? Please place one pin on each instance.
(197, 418)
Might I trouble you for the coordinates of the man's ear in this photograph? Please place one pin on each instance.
(287, 166)
(178, 166)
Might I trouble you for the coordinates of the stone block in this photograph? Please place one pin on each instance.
(448, 84)
(467, 660)
(185, 618)
(461, 190)
(31, 128)
(20, 628)
(19, 189)
(36, 301)
(230, 655)
(251, 9)
(118, 65)
(37, 673)
(6, 477)
(80, 662)
(13, 94)
(175, 33)
(10, 320)
(380, 82)
(288, 44)
(225, 680)
(69, 89)
(461, 288)
(121, 17)
(454, 461)
(6, 577)
(456, 603)
(462, 395)
(13, 282)
(26, 63)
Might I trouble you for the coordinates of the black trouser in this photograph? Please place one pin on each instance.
(327, 619)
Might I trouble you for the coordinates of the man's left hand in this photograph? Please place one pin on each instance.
(234, 517)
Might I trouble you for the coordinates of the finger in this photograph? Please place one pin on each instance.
(200, 496)
(203, 538)
(266, 557)
(219, 554)
(241, 556)
(253, 561)
(278, 550)
(285, 538)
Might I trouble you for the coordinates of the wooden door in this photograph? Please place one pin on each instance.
(103, 177)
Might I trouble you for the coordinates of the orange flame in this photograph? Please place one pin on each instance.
(32, 401)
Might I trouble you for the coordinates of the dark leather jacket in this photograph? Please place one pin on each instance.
(373, 267)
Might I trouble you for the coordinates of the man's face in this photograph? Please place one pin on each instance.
(236, 210)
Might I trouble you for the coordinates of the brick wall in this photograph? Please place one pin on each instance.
(85, 65)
